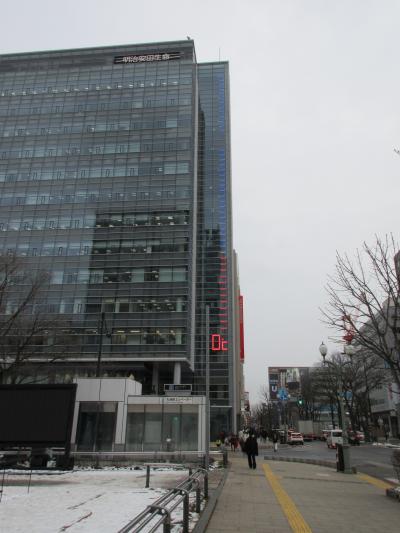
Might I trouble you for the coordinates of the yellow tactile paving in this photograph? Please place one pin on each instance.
(293, 515)
(375, 481)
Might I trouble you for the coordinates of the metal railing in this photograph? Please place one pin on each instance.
(102, 457)
(159, 513)
(155, 466)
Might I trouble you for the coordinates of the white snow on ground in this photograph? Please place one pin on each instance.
(386, 444)
(80, 501)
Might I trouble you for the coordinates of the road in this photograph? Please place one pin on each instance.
(372, 460)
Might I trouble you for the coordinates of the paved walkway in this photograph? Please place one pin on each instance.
(284, 497)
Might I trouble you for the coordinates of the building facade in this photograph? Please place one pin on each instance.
(115, 178)
(284, 389)
(131, 422)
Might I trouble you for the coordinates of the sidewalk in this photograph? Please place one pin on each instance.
(280, 497)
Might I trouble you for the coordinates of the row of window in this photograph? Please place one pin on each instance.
(85, 196)
(77, 221)
(157, 122)
(145, 305)
(167, 145)
(79, 337)
(95, 107)
(142, 169)
(120, 275)
(147, 246)
(174, 336)
(85, 87)
(178, 244)
(142, 219)
(70, 305)
(149, 428)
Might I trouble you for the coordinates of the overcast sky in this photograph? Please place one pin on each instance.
(315, 107)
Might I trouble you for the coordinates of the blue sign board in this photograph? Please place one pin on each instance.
(282, 394)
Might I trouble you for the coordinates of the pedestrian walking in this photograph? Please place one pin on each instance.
(386, 429)
(251, 448)
(275, 440)
(232, 441)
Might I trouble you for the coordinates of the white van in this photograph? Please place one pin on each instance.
(334, 437)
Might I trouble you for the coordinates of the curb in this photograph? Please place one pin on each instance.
(318, 462)
(206, 515)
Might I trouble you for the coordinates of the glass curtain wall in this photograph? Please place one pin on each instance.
(96, 181)
(214, 247)
(96, 426)
(162, 427)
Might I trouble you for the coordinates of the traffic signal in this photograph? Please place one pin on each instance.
(300, 402)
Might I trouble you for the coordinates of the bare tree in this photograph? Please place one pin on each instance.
(26, 328)
(265, 412)
(355, 379)
(310, 406)
(364, 301)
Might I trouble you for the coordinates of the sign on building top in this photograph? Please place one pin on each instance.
(143, 58)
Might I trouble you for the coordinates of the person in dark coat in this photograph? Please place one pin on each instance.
(251, 448)
(275, 438)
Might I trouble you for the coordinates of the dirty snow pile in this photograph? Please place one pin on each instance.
(81, 500)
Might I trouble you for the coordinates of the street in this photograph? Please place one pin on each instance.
(369, 459)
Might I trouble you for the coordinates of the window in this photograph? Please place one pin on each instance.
(108, 306)
(137, 275)
(96, 426)
(123, 307)
(135, 428)
(152, 432)
(179, 274)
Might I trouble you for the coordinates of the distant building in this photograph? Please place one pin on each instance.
(284, 383)
(385, 407)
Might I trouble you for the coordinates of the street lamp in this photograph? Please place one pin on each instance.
(349, 350)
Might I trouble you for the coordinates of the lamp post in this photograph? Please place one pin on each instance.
(348, 349)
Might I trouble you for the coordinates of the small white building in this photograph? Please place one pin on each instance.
(111, 415)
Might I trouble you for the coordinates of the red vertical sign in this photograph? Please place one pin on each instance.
(241, 328)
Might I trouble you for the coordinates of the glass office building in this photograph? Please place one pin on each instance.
(115, 179)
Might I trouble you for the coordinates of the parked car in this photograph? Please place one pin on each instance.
(360, 436)
(295, 438)
(356, 437)
(324, 434)
(334, 438)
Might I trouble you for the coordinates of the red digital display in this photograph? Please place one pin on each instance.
(218, 343)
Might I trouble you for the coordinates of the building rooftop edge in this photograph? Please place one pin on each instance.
(224, 62)
(90, 48)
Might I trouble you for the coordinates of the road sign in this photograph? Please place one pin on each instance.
(282, 394)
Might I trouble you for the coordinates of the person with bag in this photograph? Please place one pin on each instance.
(251, 448)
